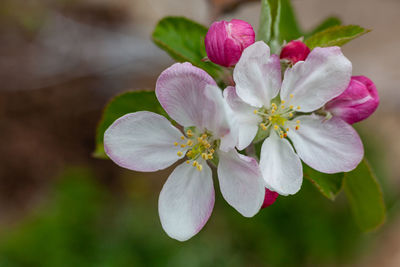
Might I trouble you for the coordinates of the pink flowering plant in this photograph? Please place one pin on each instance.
(263, 110)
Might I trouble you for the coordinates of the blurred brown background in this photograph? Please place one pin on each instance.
(60, 62)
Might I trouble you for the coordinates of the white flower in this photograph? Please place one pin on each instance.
(145, 141)
(284, 109)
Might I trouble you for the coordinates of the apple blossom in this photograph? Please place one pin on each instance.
(145, 141)
(357, 102)
(225, 41)
(283, 110)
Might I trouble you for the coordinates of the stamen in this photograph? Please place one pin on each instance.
(298, 107)
(297, 127)
(176, 144)
(291, 107)
(183, 145)
(282, 107)
(195, 163)
(199, 167)
(276, 127)
(255, 111)
(204, 156)
(189, 133)
(298, 121)
(290, 114)
(285, 134)
(287, 129)
(179, 153)
(291, 95)
(189, 142)
(182, 137)
(212, 150)
(283, 101)
(270, 118)
(188, 161)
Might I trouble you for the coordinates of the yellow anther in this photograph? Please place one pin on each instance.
(270, 118)
(297, 127)
(179, 153)
(287, 129)
(182, 137)
(189, 133)
(189, 154)
(203, 136)
(290, 115)
(199, 139)
(297, 121)
(189, 142)
(291, 95)
(262, 124)
(285, 134)
(255, 111)
(199, 167)
(204, 155)
(291, 107)
(282, 106)
(188, 161)
(298, 107)
(276, 127)
(176, 144)
(212, 150)
(281, 136)
(195, 163)
(210, 156)
(273, 111)
(264, 128)
(207, 145)
(183, 145)
(283, 101)
(282, 132)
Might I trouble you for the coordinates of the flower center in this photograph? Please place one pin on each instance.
(279, 118)
(201, 145)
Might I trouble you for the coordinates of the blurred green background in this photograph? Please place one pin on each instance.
(60, 63)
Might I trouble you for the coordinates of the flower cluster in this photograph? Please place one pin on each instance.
(301, 113)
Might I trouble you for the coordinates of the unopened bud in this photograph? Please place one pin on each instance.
(357, 102)
(295, 51)
(225, 41)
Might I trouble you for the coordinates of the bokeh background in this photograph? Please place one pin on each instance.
(62, 60)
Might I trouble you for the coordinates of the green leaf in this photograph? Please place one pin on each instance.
(365, 197)
(337, 35)
(287, 27)
(328, 184)
(122, 104)
(265, 29)
(327, 23)
(183, 40)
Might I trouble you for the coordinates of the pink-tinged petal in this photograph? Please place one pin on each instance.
(143, 141)
(245, 122)
(241, 182)
(270, 198)
(280, 166)
(357, 102)
(329, 146)
(324, 75)
(216, 118)
(180, 89)
(257, 75)
(186, 201)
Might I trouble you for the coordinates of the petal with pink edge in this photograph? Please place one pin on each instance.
(245, 122)
(143, 141)
(280, 166)
(257, 75)
(241, 182)
(180, 89)
(329, 146)
(324, 75)
(186, 201)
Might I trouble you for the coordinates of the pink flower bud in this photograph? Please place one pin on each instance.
(295, 51)
(225, 41)
(357, 102)
(269, 199)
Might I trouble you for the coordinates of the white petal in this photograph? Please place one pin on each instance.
(328, 146)
(324, 75)
(245, 122)
(142, 141)
(241, 182)
(186, 201)
(181, 92)
(280, 166)
(257, 75)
